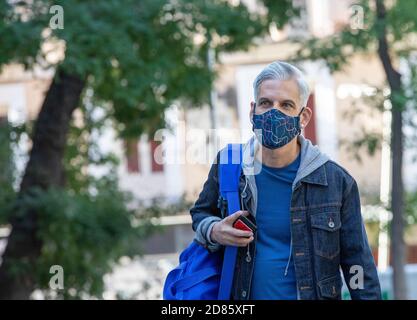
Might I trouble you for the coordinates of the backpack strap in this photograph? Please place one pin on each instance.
(229, 172)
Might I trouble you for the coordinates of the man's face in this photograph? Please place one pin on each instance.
(283, 95)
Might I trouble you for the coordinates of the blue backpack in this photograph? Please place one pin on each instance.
(202, 275)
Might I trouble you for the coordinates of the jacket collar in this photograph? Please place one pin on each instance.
(318, 177)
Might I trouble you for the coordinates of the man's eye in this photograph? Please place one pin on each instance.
(287, 105)
(264, 103)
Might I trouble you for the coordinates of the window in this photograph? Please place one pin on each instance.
(132, 156)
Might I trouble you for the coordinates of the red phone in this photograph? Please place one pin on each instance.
(243, 223)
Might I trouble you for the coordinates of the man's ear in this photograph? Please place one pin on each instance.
(305, 117)
(252, 107)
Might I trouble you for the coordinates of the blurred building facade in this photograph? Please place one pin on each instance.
(21, 95)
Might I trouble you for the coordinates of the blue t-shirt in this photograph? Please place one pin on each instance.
(269, 281)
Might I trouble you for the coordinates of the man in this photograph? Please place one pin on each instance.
(305, 206)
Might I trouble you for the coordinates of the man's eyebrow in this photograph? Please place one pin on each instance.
(261, 99)
(289, 101)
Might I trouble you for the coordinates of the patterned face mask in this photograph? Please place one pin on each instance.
(275, 129)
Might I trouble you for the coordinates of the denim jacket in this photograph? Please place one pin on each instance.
(327, 230)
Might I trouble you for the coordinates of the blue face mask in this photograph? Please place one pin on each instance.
(275, 129)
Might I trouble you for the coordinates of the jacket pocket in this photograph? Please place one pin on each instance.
(330, 288)
(325, 228)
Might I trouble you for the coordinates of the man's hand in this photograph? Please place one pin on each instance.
(224, 233)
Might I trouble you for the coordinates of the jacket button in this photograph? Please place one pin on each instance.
(244, 194)
(243, 293)
(331, 224)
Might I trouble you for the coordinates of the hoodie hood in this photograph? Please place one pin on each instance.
(311, 159)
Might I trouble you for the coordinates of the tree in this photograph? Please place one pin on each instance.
(137, 57)
(6, 162)
(389, 29)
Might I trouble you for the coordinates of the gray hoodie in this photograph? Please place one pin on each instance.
(311, 159)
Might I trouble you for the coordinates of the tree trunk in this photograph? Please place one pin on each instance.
(44, 170)
(398, 248)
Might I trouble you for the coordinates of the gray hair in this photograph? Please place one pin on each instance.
(279, 70)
